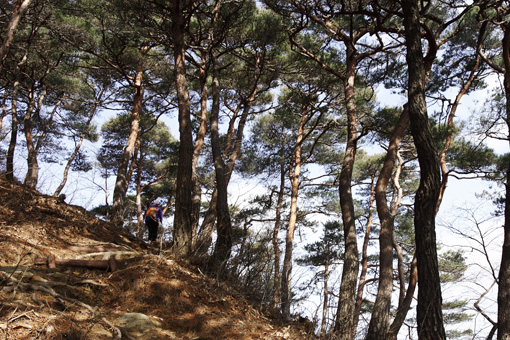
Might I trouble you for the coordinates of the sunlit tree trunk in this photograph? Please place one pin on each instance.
(450, 127)
(295, 172)
(364, 256)
(344, 325)
(404, 307)
(405, 297)
(34, 145)
(380, 319)
(79, 143)
(18, 12)
(138, 200)
(122, 181)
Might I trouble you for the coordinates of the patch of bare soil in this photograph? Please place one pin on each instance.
(150, 296)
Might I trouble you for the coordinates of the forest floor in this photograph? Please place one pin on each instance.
(150, 296)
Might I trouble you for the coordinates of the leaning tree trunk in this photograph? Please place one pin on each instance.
(405, 305)
(450, 127)
(380, 319)
(429, 312)
(122, 181)
(14, 113)
(79, 143)
(18, 12)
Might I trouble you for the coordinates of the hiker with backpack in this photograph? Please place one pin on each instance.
(153, 217)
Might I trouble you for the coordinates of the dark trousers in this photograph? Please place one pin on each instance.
(152, 226)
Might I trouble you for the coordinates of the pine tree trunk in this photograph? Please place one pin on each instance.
(18, 12)
(404, 307)
(295, 173)
(344, 325)
(32, 175)
(504, 271)
(325, 304)
(429, 312)
(77, 147)
(364, 258)
(14, 133)
(122, 180)
(232, 151)
(380, 319)
(450, 126)
(276, 246)
(183, 200)
(138, 202)
(197, 148)
(223, 245)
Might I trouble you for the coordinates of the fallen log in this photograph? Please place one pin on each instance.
(92, 248)
(52, 261)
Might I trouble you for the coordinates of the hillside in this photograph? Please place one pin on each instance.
(149, 296)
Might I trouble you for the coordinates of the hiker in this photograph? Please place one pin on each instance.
(153, 217)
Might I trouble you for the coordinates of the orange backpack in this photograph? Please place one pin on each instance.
(152, 213)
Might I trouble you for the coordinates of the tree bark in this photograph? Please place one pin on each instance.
(122, 181)
(364, 257)
(183, 200)
(325, 304)
(295, 173)
(344, 325)
(232, 151)
(450, 128)
(403, 308)
(14, 130)
(429, 312)
(138, 200)
(380, 319)
(504, 271)
(197, 148)
(205, 236)
(78, 144)
(18, 12)
(276, 246)
(32, 175)
(223, 244)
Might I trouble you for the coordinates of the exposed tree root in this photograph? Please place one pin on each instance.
(63, 299)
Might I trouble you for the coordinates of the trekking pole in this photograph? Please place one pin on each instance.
(161, 237)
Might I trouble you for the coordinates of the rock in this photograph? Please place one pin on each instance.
(139, 325)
